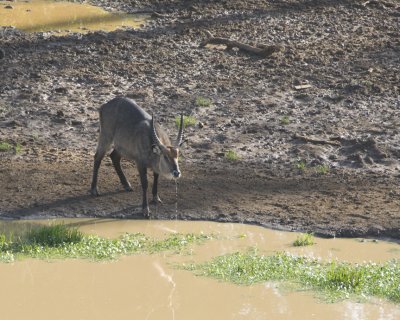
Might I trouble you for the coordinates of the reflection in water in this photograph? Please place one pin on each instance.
(148, 287)
(358, 311)
(170, 281)
(64, 17)
(354, 311)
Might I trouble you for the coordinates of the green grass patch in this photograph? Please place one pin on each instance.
(54, 235)
(231, 155)
(188, 121)
(322, 169)
(18, 148)
(336, 280)
(7, 147)
(60, 241)
(301, 165)
(306, 239)
(285, 120)
(203, 102)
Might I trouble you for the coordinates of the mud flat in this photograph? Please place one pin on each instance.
(314, 124)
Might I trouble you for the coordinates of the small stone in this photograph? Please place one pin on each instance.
(368, 160)
(61, 90)
(14, 124)
(76, 122)
(8, 7)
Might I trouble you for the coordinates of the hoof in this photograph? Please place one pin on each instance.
(94, 192)
(156, 200)
(128, 188)
(146, 212)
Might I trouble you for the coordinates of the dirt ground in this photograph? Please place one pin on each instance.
(315, 124)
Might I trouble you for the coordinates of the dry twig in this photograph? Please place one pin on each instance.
(261, 50)
(316, 141)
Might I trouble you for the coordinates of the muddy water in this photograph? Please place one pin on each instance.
(148, 287)
(62, 17)
(233, 237)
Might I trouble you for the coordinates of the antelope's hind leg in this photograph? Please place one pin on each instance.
(98, 157)
(103, 146)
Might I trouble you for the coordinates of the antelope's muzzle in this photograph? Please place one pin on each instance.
(176, 174)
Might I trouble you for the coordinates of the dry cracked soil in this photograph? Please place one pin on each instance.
(314, 124)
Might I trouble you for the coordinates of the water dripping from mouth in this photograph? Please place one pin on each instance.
(176, 199)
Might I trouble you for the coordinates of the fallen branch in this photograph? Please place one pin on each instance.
(303, 86)
(155, 14)
(316, 141)
(262, 50)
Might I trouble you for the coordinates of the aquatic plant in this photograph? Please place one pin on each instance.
(336, 280)
(61, 241)
(54, 235)
(305, 239)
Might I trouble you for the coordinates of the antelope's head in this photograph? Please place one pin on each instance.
(167, 164)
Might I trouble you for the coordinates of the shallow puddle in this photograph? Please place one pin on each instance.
(149, 287)
(63, 17)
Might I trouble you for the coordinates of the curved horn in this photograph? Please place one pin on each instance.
(156, 140)
(180, 133)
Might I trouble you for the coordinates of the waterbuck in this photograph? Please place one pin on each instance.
(131, 133)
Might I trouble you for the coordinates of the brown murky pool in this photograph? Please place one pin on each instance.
(63, 17)
(149, 287)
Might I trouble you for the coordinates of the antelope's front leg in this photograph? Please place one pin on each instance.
(143, 181)
(156, 198)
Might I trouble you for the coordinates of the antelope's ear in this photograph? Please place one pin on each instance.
(155, 149)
